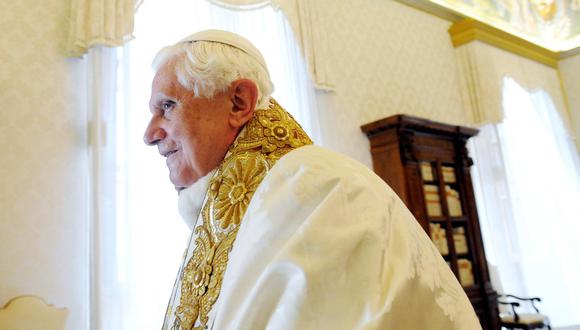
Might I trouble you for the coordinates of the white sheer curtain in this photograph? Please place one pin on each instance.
(102, 104)
(528, 190)
(141, 238)
(494, 209)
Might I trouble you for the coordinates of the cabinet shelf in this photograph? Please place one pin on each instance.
(445, 219)
(426, 163)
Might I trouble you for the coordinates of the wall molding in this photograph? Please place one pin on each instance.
(468, 30)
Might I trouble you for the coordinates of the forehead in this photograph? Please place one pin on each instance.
(165, 83)
(165, 71)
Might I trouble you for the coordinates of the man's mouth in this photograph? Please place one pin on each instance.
(170, 153)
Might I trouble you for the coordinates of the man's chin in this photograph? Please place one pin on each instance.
(179, 186)
(182, 186)
(179, 183)
(199, 182)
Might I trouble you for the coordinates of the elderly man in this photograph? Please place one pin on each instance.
(285, 235)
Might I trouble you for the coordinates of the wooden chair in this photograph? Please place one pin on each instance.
(31, 313)
(515, 320)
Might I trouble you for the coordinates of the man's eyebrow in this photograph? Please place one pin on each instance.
(155, 100)
(160, 96)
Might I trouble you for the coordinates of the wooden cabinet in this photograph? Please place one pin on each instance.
(427, 165)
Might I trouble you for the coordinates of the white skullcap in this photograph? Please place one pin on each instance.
(228, 38)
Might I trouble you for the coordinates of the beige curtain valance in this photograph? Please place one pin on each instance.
(482, 68)
(110, 23)
(241, 4)
(486, 55)
(99, 22)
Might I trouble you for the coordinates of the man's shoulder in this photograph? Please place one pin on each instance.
(317, 171)
(316, 158)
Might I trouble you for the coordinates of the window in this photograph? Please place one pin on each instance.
(142, 245)
(528, 197)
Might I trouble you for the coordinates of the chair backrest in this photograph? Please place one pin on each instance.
(31, 313)
(496, 283)
(494, 278)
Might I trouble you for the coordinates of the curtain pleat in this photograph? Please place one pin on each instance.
(99, 23)
(309, 32)
(480, 79)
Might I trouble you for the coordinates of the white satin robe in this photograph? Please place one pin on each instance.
(326, 244)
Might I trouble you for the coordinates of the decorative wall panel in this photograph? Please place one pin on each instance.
(43, 159)
(387, 58)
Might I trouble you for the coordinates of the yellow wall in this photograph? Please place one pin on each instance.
(43, 159)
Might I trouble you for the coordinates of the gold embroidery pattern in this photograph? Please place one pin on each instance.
(269, 135)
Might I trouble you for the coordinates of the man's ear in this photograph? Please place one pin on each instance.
(244, 95)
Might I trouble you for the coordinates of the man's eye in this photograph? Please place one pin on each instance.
(168, 105)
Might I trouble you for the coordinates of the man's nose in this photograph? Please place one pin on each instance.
(153, 133)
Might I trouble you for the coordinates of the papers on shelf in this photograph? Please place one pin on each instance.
(453, 202)
(465, 272)
(448, 173)
(459, 240)
(432, 201)
(439, 238)
(426, 171)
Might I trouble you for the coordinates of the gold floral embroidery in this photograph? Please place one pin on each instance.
(269, 135)
(274, 131)
(239, 182)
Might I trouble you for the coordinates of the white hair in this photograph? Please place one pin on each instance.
(207, 68)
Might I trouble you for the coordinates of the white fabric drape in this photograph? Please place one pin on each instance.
(481, 71)
(529, 198)
(495, 212)
(105, 308)
(99, 22)
(325, 244)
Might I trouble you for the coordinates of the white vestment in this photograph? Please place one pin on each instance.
(326, 244)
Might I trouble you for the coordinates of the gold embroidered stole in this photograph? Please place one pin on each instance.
(269, 135)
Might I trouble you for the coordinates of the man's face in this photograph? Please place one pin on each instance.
(192, 133)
